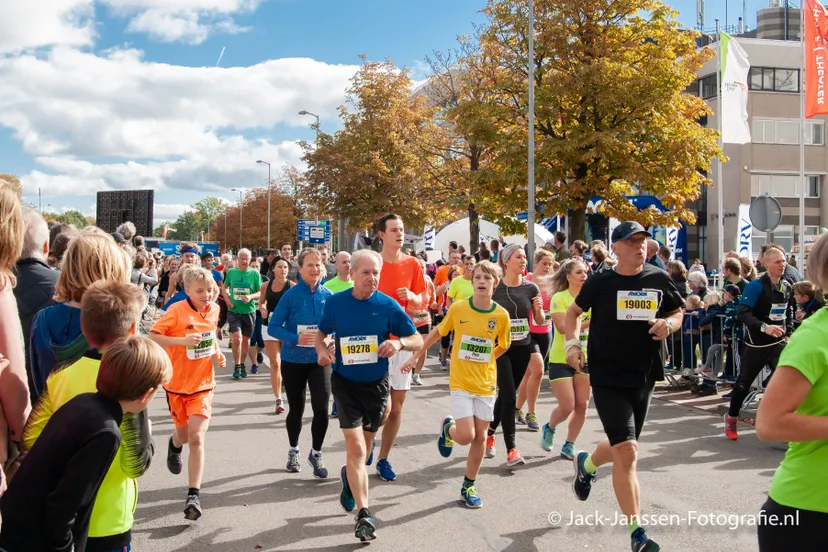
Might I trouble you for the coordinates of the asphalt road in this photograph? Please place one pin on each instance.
(697, 481)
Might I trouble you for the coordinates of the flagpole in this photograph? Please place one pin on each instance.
(719, 179)
(802, 183)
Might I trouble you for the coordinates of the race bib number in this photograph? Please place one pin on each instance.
(637, 305)
(303, 329)
(204, 349)
(240, 293)
(358, 349)
(519, 328)
(476, 349)
(547, 317)
(777, 312)
(421, 317)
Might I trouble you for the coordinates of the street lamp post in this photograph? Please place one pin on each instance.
(241, 211)
(268, 200)
(340, 221)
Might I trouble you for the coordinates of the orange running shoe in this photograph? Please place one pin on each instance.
(730, 428)
(490, 446)
(514, 458)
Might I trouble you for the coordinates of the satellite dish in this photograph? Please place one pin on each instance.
(765, 213)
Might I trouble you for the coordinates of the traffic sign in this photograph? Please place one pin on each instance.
(765, 213)
(313, 231)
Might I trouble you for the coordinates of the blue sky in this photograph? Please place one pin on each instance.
(123, 94)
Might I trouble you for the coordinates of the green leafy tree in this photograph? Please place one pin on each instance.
(188, 226)
(73, 217)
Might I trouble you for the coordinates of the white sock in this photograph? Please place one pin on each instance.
(316, 452)
(294, 449)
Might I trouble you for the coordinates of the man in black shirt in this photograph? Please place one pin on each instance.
(635, 307)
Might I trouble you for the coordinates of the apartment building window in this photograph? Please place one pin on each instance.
(782, 185)
(785, 235)
(707, 87)
(786, 131)
(773, 79)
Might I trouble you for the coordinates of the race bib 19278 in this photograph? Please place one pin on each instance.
(358, 349)
(476, 349)
(637, 305)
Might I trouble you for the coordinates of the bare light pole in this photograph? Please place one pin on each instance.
(241, 211)
(341, 222)
(530, 221)
(268, 200)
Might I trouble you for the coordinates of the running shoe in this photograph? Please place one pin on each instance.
(370, 459)
(520, 417)
(384, 470)
(568, 451)
(444, 442)
(547, 438)
(254, 368)
(490, 446)
(365, 529)
(443, 365)
(243, 371)
(259, 358)
(346, 499)
(730, 428)
(236, 372)
(707, 390)
(727, 395)
(293, 464)
(333, 411)
(192, 508)
(174, 463)
(640, 542)
(532, 422)
(319, 470)
(582, 484)
(279, 406)
(415, 380)
(514, 458)
(469, 495)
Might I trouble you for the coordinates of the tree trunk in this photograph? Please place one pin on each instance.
(474, 230)
(577, 219)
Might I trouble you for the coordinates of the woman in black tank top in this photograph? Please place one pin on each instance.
(273, 291)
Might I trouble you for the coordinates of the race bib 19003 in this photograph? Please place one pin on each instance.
(476, 349)
(637, 305)
(358, 349)
(204, 349)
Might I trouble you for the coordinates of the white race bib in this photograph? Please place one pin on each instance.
(204, 349)
(519, 328)
(777, 312)
(303, 329)
(476, 349)
(637, 305)
(358, 349)
(240, 293)
(420, 317)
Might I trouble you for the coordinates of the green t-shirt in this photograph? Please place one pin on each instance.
(460, 289)
(559, 303)
(242, 283)
(801, 481)
(336, 285)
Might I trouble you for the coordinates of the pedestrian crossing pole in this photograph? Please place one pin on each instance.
(530, 221)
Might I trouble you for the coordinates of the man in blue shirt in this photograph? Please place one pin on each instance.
(362, 322)
(207, 263)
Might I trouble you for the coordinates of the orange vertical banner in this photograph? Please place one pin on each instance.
(816, 57)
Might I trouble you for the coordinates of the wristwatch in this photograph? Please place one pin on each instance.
(669, 325)
(572, 343)
(763, 327)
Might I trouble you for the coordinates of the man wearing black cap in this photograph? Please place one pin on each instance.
(635, 307)
(119, 239)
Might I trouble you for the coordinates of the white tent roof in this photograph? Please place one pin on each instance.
(459, 231)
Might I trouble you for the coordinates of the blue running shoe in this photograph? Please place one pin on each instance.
(469, 495)
(333, 411)
(254, 369)
(371, 456)
(236, 372)
(444, 442)
(582, 483)
(532, 422)
(384, 470)
(259, 358)
(568, 451)
(293, 464)
(243, 371)
(365, 530)
(547, 438)
(319, 469)
(346, 499)
(640, 542)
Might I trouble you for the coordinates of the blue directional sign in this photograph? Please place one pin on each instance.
(313, 231)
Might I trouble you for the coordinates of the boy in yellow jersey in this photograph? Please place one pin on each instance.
(481, 335)
(188, 332)
(109, 311)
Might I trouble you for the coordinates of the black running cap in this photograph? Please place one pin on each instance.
(626, 230)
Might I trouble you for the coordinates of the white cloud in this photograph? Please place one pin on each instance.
(25, 24)
(169, 211)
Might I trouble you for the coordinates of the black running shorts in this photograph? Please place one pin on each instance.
(360, 403)
(622, 411)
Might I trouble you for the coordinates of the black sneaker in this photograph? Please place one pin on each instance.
(192, 510)
(582, 484)
(365, 530)
(174, 463)
(641, 543)
(708, 390)
(319, 470)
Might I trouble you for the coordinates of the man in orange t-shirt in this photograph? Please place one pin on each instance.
(401, 279)
(441, 281)
(188, 332)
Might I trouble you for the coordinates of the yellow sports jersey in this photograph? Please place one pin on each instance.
(559, 303)
(476, 335)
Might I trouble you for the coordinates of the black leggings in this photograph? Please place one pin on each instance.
(753, 360)
(297, 378)
(511, 367)
(806, 528)
(222, 314)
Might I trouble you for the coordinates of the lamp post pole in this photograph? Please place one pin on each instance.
(341, 222)
(241, 213)
(268, 200)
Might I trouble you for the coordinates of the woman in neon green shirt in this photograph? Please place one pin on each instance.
(461, 288)
(794, 409)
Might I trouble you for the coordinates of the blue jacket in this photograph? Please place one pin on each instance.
(56, 339)
(298, 306)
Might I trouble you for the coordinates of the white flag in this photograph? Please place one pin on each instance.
(744, 239)
(733, 104)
